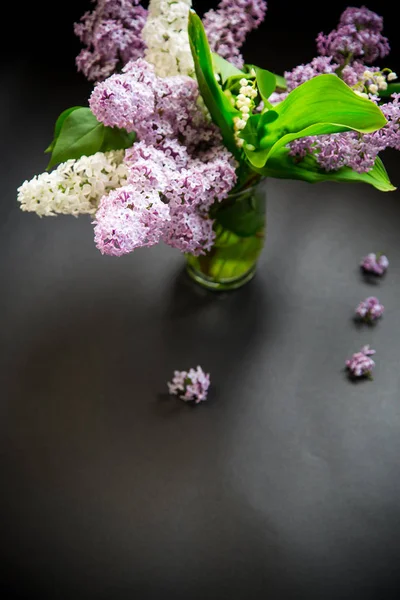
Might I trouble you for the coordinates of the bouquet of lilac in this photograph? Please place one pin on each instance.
(179, 132)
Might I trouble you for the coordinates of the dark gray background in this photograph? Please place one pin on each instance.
(285, 484)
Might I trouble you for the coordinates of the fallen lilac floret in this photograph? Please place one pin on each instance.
(361, 363)
(190, 385)
(375, 263)
(370, 309)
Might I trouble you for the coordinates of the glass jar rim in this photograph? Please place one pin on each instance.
(248, 189)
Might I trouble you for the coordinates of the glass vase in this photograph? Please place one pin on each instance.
(240, 227)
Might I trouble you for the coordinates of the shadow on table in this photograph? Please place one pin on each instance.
(221, 331)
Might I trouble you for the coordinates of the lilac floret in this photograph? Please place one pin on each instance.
(190, 385)
(376, 264)
(370, 309)
(361, 363)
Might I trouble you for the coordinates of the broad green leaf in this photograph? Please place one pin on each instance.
(225, 68)
(327, 99)
(59, 124)
(322, 105)
(117, 139)
(284, 166)
(221, 110)
(245, 216)
(392, 88)
(81, 134)
(266, 83)
(280, 82)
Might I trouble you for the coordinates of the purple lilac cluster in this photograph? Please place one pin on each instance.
(228, 26)
(154, 107)
(375, 264)
(112, 36)
(190, 385)
(177, 169)
(358, 35)
(370, 310)
(361, 363)
(353, 73)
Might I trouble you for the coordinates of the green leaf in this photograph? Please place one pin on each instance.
(244, 215)
(221, 110)
(117, 139)
(225, 68)
(81, 134)
(322, 105)
(266, 83)
(327, 99)
(250, 133)
(284, 166)
(392, 88)
(59, 124)
(280, 83)
(256, 124)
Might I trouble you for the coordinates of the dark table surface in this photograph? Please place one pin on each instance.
(284, 485)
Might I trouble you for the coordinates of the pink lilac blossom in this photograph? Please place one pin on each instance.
(112, 36)
(353, 73)
(302, 73)
(122, 102)
(187, 179)
(176, 170)
(358, 35)
(156, 108)
(129, 218)
(228, 25)
(190, 385)
(189, 232)
(370, 309)
(361, 363)
(376, 264)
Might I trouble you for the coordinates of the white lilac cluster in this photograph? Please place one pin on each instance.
(245, 104)
(166, 38)
(190, 386)
(75, 187)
